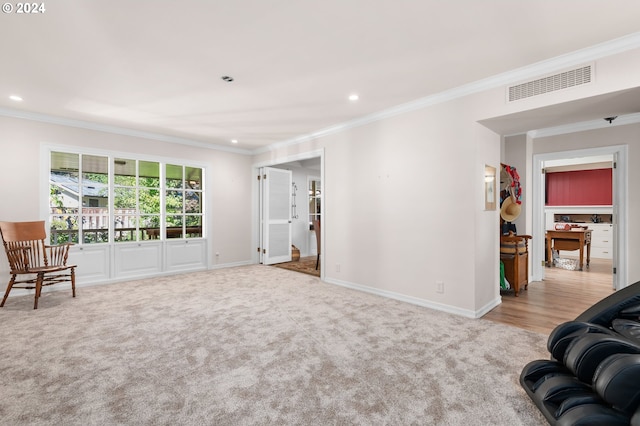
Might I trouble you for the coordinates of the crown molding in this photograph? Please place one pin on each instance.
(89, 125)
(548, 66)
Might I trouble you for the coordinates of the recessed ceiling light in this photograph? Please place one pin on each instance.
(354, 97)
(15, 98)
(234, 140)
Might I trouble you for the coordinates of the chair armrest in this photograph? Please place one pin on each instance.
(610, 307)
(515, 237)
(617, 381)
(585, 354)
(562, 336)
(58, 253)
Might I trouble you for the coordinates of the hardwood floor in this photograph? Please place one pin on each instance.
(562, 296)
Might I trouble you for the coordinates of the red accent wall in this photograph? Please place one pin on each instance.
(579, 188)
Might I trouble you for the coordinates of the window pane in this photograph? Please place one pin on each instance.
(64, 189)
(150, 227)
(193, 220)
(125, 228)
(64, 228)
(124, 198)
(192, 202)
(193, 177)
(173, 202)
(315, 197)
(95, 236)
(65, 162)
(174, 226)
(149, 201)
(95, 196)
(95, 219)
(174, 176)
(149, 174)
(124, 172)
(194, 226)
(95, 169)
(63, 197)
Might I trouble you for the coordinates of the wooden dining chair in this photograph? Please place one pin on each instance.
(34, 262)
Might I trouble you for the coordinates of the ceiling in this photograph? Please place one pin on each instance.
(157, 66)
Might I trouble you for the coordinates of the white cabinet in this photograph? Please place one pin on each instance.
(185, 255)
(93, 262)
(601, 233)
(601, 240)
(137, 260)
(101, 263)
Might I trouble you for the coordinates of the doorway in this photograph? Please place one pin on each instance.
(307, 171)
(617, 211)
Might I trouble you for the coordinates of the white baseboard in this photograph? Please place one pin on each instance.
(414, 300)
(233, 264)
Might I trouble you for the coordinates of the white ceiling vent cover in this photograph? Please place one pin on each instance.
(552, 83)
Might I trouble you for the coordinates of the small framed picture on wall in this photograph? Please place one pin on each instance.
(489, 188)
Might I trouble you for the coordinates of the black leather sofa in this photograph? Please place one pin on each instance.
(593, 374)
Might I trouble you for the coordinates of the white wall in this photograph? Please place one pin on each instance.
(401, 200)
(228, 180)
(403, 203)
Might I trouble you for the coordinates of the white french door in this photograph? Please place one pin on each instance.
(275, 215)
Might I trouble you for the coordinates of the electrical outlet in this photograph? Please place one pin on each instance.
(439, 287)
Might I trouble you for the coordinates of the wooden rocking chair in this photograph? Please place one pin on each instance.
(40, 264)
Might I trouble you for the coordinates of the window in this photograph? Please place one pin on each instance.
(136, 200)
(78, 198)
(64, 197)
(95, 191)
(150, 200)
(315, 200)
(183, 201)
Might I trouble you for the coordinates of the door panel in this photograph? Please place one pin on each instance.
(276, 215)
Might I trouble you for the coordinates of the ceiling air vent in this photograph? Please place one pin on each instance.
(552, 83)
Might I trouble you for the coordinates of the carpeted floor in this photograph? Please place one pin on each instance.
(255, 345)
(306, 265)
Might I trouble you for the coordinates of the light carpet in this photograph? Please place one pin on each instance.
(255, 345)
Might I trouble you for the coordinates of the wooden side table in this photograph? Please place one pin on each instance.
(569, 241)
